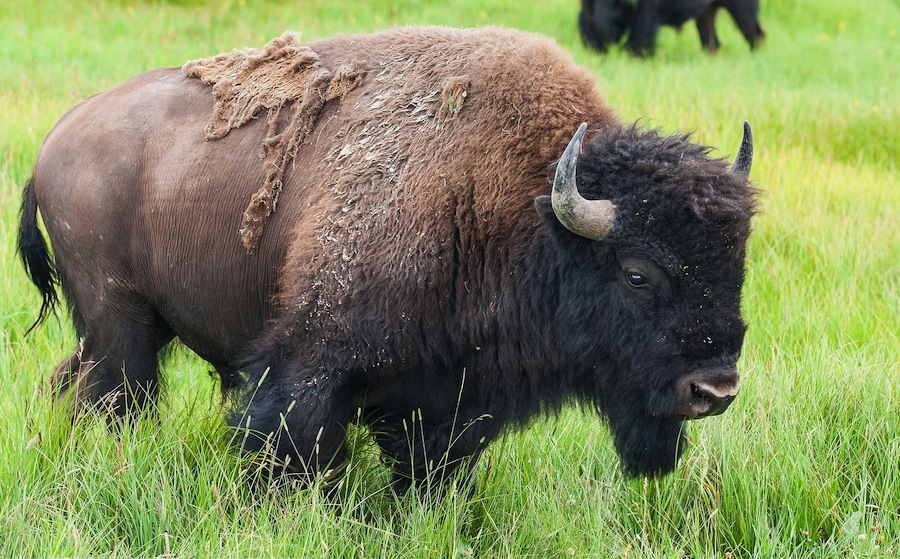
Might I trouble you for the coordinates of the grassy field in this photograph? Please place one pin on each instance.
(806, 463)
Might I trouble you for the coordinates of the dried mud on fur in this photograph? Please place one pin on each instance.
(455, 91)
(284, 75)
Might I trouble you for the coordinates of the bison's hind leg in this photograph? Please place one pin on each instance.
(115, 366)
(706, 26)
(746, 17)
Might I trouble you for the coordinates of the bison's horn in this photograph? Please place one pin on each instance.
(744, 159)
(589, 218)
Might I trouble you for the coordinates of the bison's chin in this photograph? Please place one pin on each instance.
(648, 446)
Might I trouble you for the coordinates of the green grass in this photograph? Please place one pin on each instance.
(806, 463)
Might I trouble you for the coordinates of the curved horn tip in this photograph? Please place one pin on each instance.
(573, 148)
(579, 134)
(564, 181)
(744, 159)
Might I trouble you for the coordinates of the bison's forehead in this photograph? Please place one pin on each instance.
(670, 196)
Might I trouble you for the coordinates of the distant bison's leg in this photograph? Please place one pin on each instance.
(746, 16)
(295, 419)
(706, 26)
(597, 23)
(586, 27)
(642, 39)
(427, 455)
(114, 366)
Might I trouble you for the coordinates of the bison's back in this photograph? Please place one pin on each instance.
(478, 101)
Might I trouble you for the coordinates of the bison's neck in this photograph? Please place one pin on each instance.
(506, 310)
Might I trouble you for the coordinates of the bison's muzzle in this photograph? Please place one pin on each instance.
(706, 392)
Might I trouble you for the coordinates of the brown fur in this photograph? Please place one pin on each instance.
(392, 141)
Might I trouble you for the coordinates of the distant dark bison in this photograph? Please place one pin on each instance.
(604, 22)
(391, 229)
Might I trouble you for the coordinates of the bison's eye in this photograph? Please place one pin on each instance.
(640, 275)
(636, 280)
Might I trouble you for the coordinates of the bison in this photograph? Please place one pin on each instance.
(440, 233)
(605, 22)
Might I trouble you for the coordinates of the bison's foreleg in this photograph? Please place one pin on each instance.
(294, 421)
(427, 455)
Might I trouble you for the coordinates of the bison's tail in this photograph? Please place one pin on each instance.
(35, 255)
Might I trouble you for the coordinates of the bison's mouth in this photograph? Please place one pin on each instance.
(650, 443)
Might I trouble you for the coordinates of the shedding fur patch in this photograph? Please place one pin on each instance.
(246, 82)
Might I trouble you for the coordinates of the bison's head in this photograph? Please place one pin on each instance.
(653, 234)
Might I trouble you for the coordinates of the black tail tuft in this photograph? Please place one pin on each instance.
(35, 254)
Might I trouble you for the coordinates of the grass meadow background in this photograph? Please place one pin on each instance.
(806, 463)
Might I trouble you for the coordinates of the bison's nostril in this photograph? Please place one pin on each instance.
(701, 401)
(708, 400)
(699, 394)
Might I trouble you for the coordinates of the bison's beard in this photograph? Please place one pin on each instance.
(647, 445)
